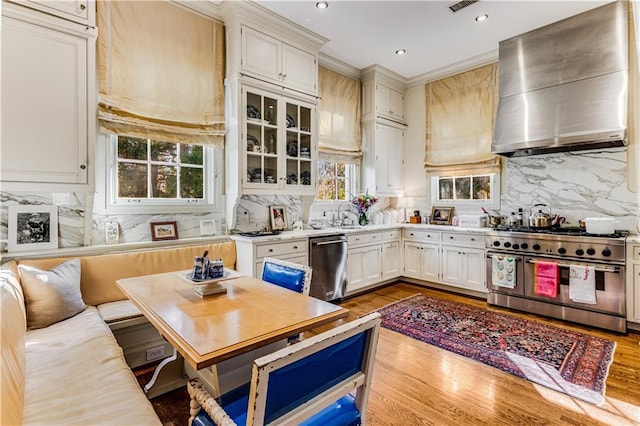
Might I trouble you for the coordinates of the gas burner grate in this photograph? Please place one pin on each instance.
(572, 231)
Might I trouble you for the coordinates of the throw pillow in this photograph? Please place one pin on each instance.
(52, 295)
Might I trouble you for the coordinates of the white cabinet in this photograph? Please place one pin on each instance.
(389, 162)
(80, 11)
(391, 254)
(278, 144)
(421, 251)
(251, 253)
(48, 102)
(633, 282)
(266, 57)
(463, 267)
(389, 103)
(462, 260)
(364, 254)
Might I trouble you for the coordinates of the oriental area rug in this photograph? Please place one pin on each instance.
(570, 362)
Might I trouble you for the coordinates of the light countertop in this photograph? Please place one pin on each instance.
(306, 233)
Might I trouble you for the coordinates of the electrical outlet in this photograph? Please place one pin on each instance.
(155, 353)
(252, 217)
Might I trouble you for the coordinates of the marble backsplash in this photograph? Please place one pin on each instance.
(252, 211)
(75, 231)
(574, 185)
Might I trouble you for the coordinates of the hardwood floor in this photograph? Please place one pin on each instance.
(415, 383)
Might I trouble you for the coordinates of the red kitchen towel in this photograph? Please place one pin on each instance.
(546, 279)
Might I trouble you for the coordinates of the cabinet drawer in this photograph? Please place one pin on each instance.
(360, 239)
(636, 252)
(278, 249)
(471, 240)
(425, 236)
(391, 235)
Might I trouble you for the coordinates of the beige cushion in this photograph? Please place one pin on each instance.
(100, 272)
(52, 295)
(13, 329)
(76, 375)
(118, 311)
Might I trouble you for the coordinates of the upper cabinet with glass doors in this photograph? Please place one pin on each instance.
(278, 143)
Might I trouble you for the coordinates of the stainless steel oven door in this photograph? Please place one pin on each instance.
(518, 290)
(610, 286)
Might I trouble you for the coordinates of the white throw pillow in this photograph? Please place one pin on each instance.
(52, 295)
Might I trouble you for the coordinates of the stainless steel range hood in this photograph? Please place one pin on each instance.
(563, 87)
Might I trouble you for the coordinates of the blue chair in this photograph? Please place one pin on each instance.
(323, 380)
(287, 274)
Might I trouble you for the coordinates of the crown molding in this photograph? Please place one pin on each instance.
(455, 68)
(206, 8)
(338, 66)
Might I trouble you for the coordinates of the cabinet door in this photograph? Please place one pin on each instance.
(412, 259)
(633, 294)
(261, 140)
(261, 54)
(430, 261)
(452, 265)
(299, 70)
(389, 103)
(396, 105)
(81, 11)
(395, 168)
(372, 264)
(474, 271)
(299, 152)
(382, 141)
(44, 81)
(355, 269)
(391, 260)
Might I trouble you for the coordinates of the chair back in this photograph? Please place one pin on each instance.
(294, 383)
(287, 274)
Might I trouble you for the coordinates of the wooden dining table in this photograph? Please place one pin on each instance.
(207, 330)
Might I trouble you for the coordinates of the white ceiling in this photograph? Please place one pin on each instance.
(363, 33)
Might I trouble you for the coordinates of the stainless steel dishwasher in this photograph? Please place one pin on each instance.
(328, 259)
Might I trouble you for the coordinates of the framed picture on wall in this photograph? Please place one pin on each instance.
(441, 215)
(161, 231)
(278, 217)
(32, 227)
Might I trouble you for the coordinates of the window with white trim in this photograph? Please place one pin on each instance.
(467, 190)
(144, 175)
(336, 180)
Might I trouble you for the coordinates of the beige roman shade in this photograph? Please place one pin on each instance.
(339, 110)
(161, 71)
(459, 126)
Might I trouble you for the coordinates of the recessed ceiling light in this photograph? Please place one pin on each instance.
(482, 17)
(400, 52)
(322, 5)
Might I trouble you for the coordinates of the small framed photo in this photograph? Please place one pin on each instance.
(111, 232)
(441, 215)
(278, 216)
(164, 231)
(32, 227)
(208, 227)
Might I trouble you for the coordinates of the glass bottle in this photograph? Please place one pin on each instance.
(520, 217)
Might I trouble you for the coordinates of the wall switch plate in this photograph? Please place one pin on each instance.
(155, 353)
(208, 227)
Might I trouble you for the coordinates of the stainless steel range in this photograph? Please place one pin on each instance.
(566, 247)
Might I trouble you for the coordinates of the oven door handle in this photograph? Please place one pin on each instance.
(614, 270)
(517, 259)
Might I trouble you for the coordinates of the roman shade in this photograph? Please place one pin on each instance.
(161, 71)
(459, 124)
(339, 109)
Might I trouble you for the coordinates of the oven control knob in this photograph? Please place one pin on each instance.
(507, 244)
(536, 246)
(562, 250)
(496, 243)
(524, 246)
(579, 252)
(606, 252)
(591, 252)
(515, 246)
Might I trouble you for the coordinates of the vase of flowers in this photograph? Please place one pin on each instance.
(362, 203)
